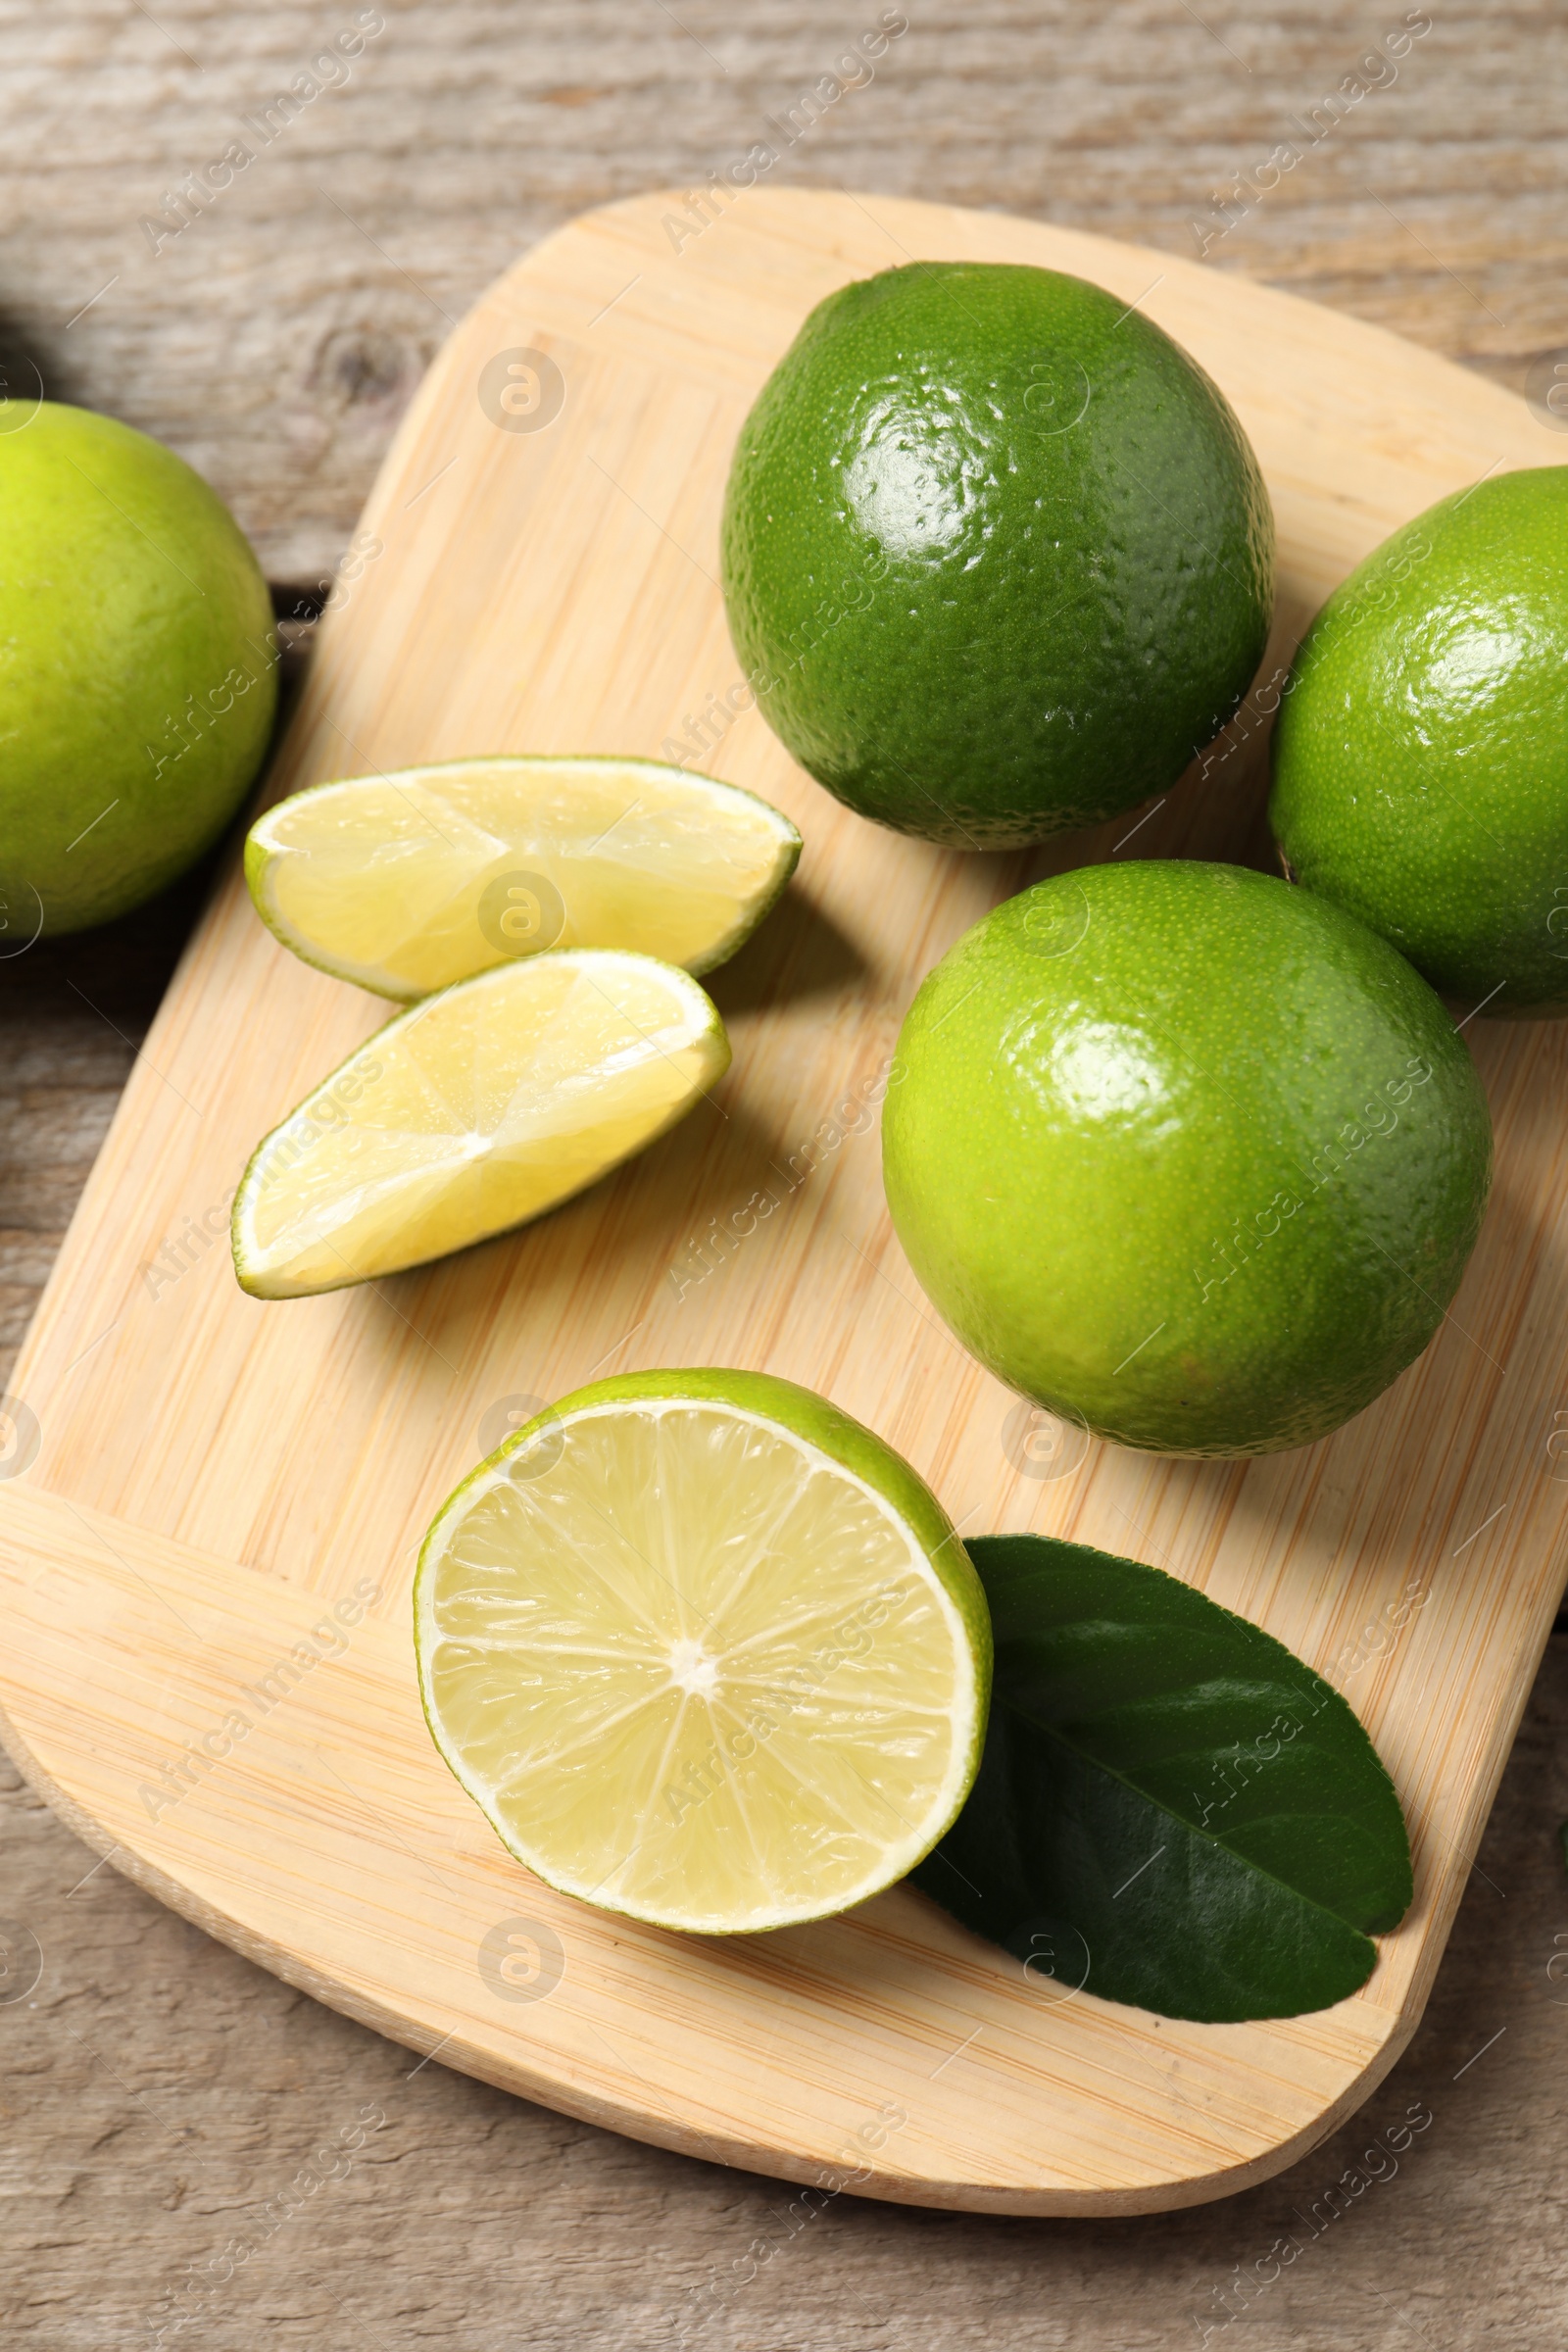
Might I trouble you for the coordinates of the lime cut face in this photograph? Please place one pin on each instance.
(406, 882)
(472, 1112)
(704, 1652)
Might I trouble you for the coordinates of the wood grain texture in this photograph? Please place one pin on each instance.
(158, 2091)
(214, 1473)
(277, 339)
(160, 2096)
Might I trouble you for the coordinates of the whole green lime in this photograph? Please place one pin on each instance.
(1421, 749)
(1185, 1153)
(137, 673)
(998, 556)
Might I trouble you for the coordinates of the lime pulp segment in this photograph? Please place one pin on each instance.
(406, 882)
(697, 1670)
(474, 1111)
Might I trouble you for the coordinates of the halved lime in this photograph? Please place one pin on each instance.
(704, 1650)
(472, 1112)
(408, 881)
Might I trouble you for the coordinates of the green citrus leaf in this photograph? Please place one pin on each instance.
(1172, 1809)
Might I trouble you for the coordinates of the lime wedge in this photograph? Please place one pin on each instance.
(705, 1651)
(406, 882)
(472, 1112)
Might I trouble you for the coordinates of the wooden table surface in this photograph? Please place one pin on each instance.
(166, 2109)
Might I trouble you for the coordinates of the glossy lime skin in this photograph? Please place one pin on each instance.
(137, 680)
(997, 555)
(1187, 1154)
(1421, 749)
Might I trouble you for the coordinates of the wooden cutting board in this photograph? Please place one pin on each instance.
(202, 1490)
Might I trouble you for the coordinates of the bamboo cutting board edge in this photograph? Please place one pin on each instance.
(720, 316)
(731, 2151)
(1347, 2049)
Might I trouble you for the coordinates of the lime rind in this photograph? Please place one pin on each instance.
(733, 899)
(873, 1478)
(328, 1113)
